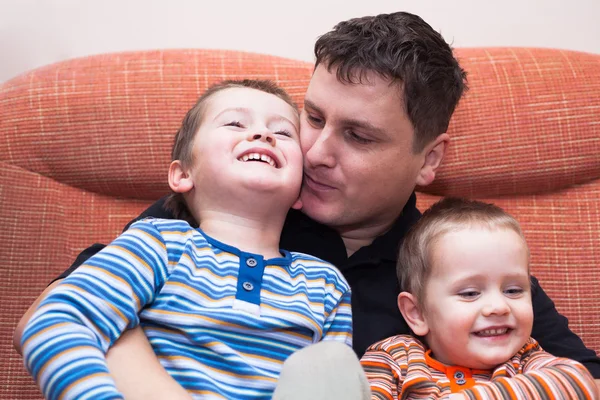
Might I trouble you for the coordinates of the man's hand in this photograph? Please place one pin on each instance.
(138, 373)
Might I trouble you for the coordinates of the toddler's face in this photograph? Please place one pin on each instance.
(478, 299)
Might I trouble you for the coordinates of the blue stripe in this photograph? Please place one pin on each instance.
(182, 323)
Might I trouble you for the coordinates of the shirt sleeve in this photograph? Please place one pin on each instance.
(551, 330)
(66, 339)
(383, 371)
(156, 210)
(338, 324)
(543, 376)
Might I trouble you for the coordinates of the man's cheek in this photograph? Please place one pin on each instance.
(306, 141)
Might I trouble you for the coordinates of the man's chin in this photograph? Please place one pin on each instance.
(317, 209)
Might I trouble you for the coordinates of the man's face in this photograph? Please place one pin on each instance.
(359, 167)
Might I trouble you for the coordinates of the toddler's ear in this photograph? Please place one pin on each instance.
(180, 180)
(412, 313)
(298, 204)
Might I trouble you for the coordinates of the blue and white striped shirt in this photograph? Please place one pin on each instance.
(221, 321)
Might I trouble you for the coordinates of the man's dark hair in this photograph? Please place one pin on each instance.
(184, 139)
(406, 50)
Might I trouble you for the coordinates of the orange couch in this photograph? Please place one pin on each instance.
(84, 147)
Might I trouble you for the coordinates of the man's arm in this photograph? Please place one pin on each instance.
(137, 372)
(156, 210)
(551, 330)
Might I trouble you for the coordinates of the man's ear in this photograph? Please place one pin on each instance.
(412, 313)
(434, 154)
(180, 180)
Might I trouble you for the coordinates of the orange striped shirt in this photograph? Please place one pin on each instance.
(401, 367)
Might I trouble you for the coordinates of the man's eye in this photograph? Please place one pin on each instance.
(358, 139)
(237, 124)
(314, 120)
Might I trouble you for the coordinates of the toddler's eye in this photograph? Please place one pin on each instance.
(514, 291)
(469, 294)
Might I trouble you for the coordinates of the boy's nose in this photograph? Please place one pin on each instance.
(265, 136)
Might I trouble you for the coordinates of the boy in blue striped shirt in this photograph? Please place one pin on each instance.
(221, 304)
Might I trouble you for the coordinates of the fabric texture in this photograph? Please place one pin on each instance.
(400, 368)
(84, 147)
(323, 371)
(222, 321)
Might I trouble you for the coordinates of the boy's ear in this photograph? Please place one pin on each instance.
(434, 154)
(180, 180)
(412, 313)
(298, 204)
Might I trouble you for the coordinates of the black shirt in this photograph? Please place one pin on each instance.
(371, 273)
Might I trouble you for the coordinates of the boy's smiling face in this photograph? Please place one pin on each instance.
(477, 307)
(247, 144)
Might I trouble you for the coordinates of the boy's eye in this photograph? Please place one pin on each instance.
(283, 132)
(237, 124)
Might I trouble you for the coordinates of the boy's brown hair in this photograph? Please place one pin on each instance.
(184, 139)
(450, 214)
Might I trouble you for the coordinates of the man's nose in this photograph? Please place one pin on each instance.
(322, 149)
(264, 136)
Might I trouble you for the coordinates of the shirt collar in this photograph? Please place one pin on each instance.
(386, 246)
(303, 234)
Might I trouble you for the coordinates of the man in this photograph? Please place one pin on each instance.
(373, 127)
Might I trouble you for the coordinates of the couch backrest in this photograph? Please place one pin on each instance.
(529, 124)
(106, 123)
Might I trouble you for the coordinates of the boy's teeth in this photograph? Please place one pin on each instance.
(260, 157)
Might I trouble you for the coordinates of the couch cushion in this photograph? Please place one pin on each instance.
(529, 124)
(106, 123)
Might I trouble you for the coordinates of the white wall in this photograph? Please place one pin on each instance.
(38, 32)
